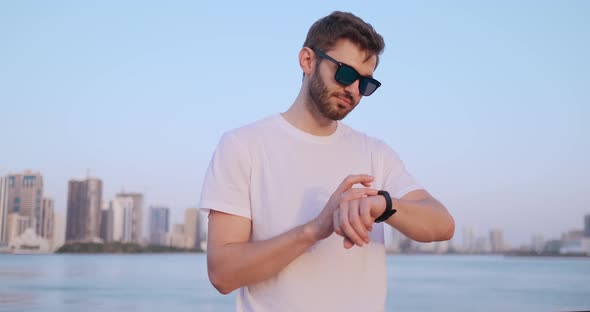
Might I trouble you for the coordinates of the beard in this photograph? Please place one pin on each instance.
(320, 97)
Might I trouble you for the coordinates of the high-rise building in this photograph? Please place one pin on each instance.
(84, 210)
(136, 215)
(572, 235)
(176, 236)
(122, 216)
(106, 223)
(538, 243)
(482, 245)
(190, 227)
(159, 224)
(24, 196)
(3, 211)
(497, 240)
(59, 231)
(469, 239)
(587, 225)
(47, 216)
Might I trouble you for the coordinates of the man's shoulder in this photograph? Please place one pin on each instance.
(253, 129)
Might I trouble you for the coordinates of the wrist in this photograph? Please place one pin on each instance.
(395, 202)
(310, 232)
(381, 203)
(389, 207)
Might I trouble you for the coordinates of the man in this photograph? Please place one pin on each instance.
(293, 198)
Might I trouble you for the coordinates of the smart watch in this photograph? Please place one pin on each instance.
(389, 211)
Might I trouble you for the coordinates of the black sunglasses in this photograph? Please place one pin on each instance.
(346, 75)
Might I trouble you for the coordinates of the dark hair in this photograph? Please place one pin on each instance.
(324, 33)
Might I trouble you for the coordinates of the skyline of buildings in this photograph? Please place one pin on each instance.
(186, 235)
(90, 218)
(572, 242)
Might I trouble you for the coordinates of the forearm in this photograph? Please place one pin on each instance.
(424, 220)
(234, 265)
(234, 261)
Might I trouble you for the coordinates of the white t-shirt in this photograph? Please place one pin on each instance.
(281, 177)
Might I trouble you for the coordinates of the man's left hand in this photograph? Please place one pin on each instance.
(354, 220)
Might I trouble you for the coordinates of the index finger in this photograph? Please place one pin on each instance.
(357, 193)
(353, 179)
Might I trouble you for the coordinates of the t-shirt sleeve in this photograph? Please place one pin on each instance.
(226, 187)
(396, 179)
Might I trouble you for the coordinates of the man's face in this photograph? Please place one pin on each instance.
(333, 100)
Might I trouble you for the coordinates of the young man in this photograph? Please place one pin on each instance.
(297, 201)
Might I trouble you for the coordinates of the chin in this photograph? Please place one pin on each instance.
(336, 115)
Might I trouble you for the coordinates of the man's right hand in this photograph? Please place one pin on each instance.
(323, 225)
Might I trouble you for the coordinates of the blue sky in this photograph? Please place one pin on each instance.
(487, 103)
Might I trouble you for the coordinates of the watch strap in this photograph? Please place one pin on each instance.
(389, 211)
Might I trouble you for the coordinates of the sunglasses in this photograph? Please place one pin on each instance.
(346, 75)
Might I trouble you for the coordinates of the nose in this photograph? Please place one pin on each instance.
(353, 89)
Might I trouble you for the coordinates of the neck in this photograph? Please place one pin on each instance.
(305, 116)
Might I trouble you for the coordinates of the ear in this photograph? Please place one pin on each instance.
(306, 60)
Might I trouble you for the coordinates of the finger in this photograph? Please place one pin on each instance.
(353, 179)
(365, 213)
(347, 228)
(356, 193)
(347, 243)
(336, 221)
(367, 184)
(355, 220)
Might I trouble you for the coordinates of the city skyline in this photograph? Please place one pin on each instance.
(485, 104)
(120, 207)
(92, 219)
(29, 223)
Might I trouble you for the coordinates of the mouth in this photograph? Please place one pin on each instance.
(344, 102)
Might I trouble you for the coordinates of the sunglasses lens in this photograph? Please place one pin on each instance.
(368, 86)
(346, 75)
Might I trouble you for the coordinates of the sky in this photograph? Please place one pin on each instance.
(487, 103)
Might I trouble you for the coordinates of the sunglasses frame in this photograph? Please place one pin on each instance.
(363, 80)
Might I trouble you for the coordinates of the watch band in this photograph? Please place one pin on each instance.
(389, 211)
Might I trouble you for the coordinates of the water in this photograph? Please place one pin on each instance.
(488, 283)
(178, 282)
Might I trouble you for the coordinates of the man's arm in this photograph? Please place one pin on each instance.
(421, 217)
(234, 261)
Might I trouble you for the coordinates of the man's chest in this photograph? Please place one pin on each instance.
(290, 185)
